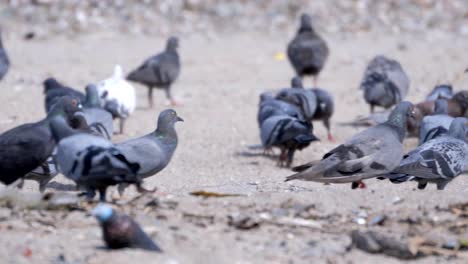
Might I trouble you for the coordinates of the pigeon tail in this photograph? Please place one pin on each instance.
(314, 169)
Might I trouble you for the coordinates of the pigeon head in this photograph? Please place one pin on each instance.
(266, 96)
(306, 24)
(440, 107)
(172, 43)
(462, 99)
(103, 212)
(167, 119)
(399, 117)
(92, 96)
(50, 84)
(66, 106)
(296, 82)
(112, 106)
(458, 128)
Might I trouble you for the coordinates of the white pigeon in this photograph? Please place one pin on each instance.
(118, 96)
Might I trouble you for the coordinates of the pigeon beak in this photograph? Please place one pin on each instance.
(180, 119)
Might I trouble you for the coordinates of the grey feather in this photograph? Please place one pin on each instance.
(304, 99)
(370, 153)
(270, 106)
(435, 125)
(444, 91)
(385, 83)
(98, 119)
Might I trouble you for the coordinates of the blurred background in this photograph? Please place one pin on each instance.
(153, 17)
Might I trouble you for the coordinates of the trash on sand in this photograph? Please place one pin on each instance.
(207, 194)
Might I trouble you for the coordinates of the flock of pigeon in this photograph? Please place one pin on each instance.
(74, 137)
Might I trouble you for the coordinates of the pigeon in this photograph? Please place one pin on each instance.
(120, 231)
(457, 105)
(159, 71)
(305, 99)
(28, 146)
(385, 83)
(4, 60)
(92, 162)
(154, 151)
(324, 110)
(373, 152)
(42, 174)
(442, 91)
(53, 90)
(287, 133)
(270, 106)
(307, 52)
(117, 96)
(435, 125)
(98, 119)
(439, 160)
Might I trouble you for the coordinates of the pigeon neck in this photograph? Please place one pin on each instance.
(92, 100)
(457, 129)
(60, 129)
(166, 133)
(306, 29)
(397, 122)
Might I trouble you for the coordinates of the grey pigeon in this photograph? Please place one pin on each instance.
(325, 109)
(457, 105)
(305, 99)
(92, 162)
(28, 146)
(436, 125)
(98, 119)
(287, 133)
(437, 161)
(120, 231)
(159, 71)
(270, 106)
(53, 90)
(4, 60)
(385, 83)
(307, 52)
(370, 153)
(442, 91)
(154, 151)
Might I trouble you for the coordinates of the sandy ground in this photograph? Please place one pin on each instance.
(219, 86)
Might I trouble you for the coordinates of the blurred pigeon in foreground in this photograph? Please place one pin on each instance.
(300, 97)
(159, 71)
(121, 231)
(270, 106)
(98, 119)
(307, 52)
(437, 161)
(287, 133)
(154, 151)
(385, 83)
(325, 108)
(4, 60)
(42, 174)
(28, 146)
(54, 90)
(435, 125)
(441, 91)
(118, 96)
(91, 161)
(372, 152)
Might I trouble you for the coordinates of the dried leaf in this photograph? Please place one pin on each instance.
(207, 194)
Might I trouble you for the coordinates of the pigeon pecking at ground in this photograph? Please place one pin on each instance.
(437, 161)
(442, 91)
(270, 106)
(288, 134)
(92, 162)
(385, 83)
(120, 231)
(307, 52)
(117, 96)
(28, 146)
(159, 71)
(154, 151)
(305, 99)
(375, 151)
(98, 119)
(437, 124)
(4, 60)
(54, 90)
